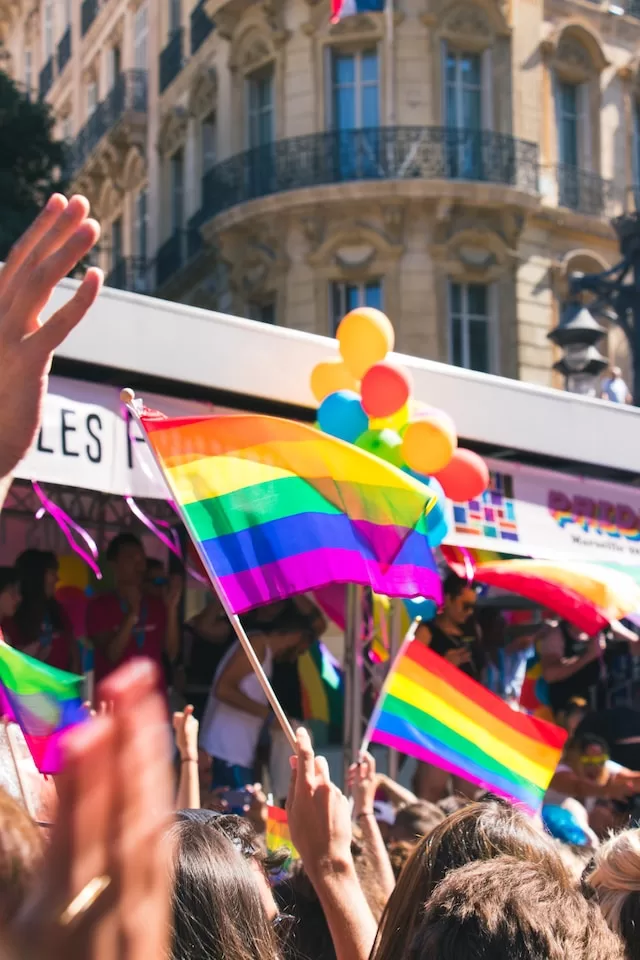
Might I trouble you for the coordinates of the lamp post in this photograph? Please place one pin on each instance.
(616, 292)
(578, 334)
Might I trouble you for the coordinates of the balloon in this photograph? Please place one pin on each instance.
(385, 444)
(397, 421)
(385, 389)
(365, 336)
(421, 607)
(72, 572)
(329, 376)
(341, 415)
(465, 477)
(428, 443)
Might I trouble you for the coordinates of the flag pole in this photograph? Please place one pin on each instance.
(128, 397)
(377, 710)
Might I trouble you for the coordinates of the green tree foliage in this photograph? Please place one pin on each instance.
(31, 160)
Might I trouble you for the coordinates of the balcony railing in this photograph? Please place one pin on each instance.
(128, 95)
(584, 192)
(46, 78)
(376, 153)
(201, 26)
(131, 273)
(64, 50)
(177, 251)
(171, 59)
(88, 13)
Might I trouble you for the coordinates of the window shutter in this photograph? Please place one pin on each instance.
(585, 145)
(486, 99)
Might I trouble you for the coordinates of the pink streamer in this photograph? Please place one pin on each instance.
(170, 540)
(67, 525)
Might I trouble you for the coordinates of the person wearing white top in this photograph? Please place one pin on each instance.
(587, 773)
(237, 709)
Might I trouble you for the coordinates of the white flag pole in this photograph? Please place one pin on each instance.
(377, 710)
(128, 397)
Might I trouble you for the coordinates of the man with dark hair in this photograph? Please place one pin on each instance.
(508, 909)
(416, 821)
(128, 621)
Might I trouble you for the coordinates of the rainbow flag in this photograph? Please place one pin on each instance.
(277, 835)
(431, 710)
(277, 508)
(43, 701)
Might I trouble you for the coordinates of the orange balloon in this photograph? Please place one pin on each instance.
(465, 477)
(385, 389)
(329, 376)
(365, 336)
(428, 444)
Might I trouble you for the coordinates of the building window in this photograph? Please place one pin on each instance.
(92, 97)
(208, 142)
(355, 94)
(140, 35)
(28, 71)
(263, 312)
(471, 323)
(139, 240)
(568, 114)
(636, 150)
(463, 114)
(348, 296)
(47, 29)
(116, 242)
(260, 130)
(177, 190)
(114, 66)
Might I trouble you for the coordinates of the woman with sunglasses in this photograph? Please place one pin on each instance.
(587, 773)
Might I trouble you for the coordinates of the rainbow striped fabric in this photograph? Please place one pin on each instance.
(431, 710)
(43, 701)
(278, 508)
(277, 833)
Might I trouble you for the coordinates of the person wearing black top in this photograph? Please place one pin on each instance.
(571, 663)
(453, 636)
(205, 640)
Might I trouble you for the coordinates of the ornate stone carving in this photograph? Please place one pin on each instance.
(204, 91)
(469, 24)
(313, 227)
(173, 130)
(135, 169)
(393, 217)
(361, 23)
(250, 50)
(572, 54)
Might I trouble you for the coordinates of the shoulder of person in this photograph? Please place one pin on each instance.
(551, 644)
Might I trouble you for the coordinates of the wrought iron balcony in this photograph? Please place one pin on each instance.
(181, 247)
(171, 59)
(127, 96)
(64, 50)
(376, 153)
(88, 13)
(584, 192)
(131, 273)
(45, 79)
(201, 26)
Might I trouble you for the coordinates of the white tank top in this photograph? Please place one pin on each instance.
(227, 733)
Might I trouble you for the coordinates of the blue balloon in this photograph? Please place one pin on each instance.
(341, 415)
(421, 607)
(562, 825)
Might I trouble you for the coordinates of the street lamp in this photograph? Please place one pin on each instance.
(578, 334)
(614, 298)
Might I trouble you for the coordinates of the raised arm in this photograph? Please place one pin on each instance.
(227, 689)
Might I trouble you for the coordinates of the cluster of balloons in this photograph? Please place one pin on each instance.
(365, 399)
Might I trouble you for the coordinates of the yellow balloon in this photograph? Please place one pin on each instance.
(365, 336)
(395, 422)
(329, 376)
(72, 571)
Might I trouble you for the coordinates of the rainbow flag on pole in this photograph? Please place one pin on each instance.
(43, 701)
(277, 508)
(277, 835)
(431, 710)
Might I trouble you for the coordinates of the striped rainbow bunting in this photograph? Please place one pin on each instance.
(431, 710)
(276, 508)
(43, 701)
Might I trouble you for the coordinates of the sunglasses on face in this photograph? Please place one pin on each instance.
(595, 760)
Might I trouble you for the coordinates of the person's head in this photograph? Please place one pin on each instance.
(587, 755)
(511, 909)
(479, 831)
(615, 878)
(616, 373)
(126, 555)
(38, 574)
(459, 599)
(21, 852)
(218, 911)
(9, 592)
(570, 716)
(399, 853)
(415, 821)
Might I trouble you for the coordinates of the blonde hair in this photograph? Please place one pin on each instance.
(616, 878)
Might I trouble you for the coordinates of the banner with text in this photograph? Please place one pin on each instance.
(547, 515)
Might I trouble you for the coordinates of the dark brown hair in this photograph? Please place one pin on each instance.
(21, 851)
(479, 831)
(510, 909)
(416, 820)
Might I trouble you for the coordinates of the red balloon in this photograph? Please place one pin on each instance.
(465, 477)
(384, 390)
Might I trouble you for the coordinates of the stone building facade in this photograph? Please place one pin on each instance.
(448, 160)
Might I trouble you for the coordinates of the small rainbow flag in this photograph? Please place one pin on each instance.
(277, 508)
(431, 710)
(43, 701)
(278, 835)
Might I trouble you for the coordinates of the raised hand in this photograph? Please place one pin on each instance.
(185, 727)
(57, 240)
(363, 783)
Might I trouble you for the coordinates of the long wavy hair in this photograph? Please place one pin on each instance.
(32, 567)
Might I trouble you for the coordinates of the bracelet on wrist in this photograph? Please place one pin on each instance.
(188, 759)
(365, 813)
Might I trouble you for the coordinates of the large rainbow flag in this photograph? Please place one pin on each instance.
(43, 701)
(431, 710)
(278, 508)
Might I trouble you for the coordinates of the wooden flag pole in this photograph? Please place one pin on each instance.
(128, 397)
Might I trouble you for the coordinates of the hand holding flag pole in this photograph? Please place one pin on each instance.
(128, 398)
